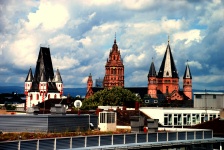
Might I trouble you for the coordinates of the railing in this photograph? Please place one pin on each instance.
(105, 140)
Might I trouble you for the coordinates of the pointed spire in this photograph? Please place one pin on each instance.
(168, 68)
(187, 73)
(57, 77)
(29, 77)
(43, 77)
(152, 70)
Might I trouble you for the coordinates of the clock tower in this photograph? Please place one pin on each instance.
(114, 69)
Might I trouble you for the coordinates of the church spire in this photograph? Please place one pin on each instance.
(168, 68)
(187, 73)
(152, 70)
(29, 77)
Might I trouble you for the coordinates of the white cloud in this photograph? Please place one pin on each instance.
(172, 25)
(135, 60)
(64, 62)
(160, 49)
(207, 78)
(49, 16)
(63, 40)
(188, 36)
(195, 64)
(91, 16)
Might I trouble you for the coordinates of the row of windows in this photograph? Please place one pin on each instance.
(200, 96)
(37, 96)
(168, 81)
(187, 119)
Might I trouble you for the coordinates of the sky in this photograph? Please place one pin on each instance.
(80, 34)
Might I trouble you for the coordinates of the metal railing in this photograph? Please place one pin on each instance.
(105, 140)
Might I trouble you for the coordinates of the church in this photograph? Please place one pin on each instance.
(43, 85)
(162, 85)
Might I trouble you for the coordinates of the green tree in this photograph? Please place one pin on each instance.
(117, 96)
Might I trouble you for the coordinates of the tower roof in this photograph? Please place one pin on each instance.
(44, 64)
(43, 77)
(187, 73)
(114, 47)
(44, 71)
(29, 77)
(152, 70)
(168, 68)
(57, 77)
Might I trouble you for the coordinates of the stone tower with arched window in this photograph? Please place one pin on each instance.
(114, 69)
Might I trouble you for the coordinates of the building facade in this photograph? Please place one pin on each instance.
(43, 85)
(209, 100)
(166, 81)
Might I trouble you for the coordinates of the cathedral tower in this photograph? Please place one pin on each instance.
(152, 81)
(89, 86)
(168, 80)
(114, 69)
(187, 82)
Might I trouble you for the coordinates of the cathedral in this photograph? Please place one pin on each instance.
(43, 85)
(162, 85)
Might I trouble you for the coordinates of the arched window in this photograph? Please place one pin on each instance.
(55, 96)
(37, 96)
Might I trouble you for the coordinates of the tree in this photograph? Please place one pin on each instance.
(117, 96)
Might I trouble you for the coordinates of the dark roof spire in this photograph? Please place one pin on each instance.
(187, 73)
(57, 77)
(29, 77)
(43, 77)
(168, 68)
(152, 70)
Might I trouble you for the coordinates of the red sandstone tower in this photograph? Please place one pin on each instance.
(114, 69)
(187, 82)
(152, 81)
(89, 86)
(168, 80)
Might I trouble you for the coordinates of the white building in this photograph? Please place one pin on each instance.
(44, 84)
(180, 117)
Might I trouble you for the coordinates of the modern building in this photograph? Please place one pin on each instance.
(163, 85)
(43, 85)
(180, 117)
(209, 100)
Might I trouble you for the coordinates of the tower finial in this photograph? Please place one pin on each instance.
(152, 59)
(115, 38)
(168, 39)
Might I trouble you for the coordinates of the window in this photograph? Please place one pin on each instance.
(167, 119)
(198, 95)
(214, 96)
(186, 119)
(107, 117)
